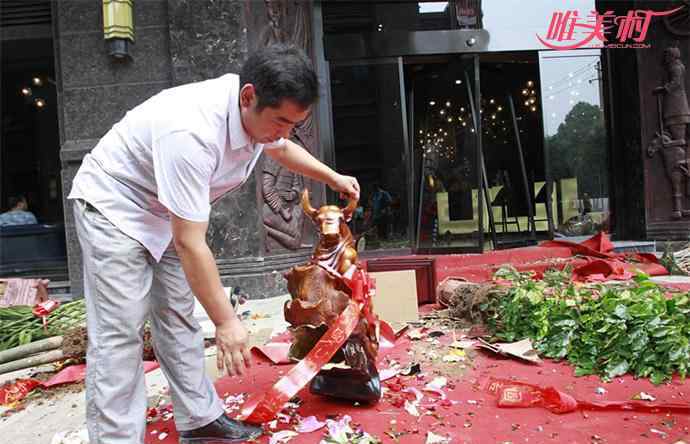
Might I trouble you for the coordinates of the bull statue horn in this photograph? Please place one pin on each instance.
(349, 209)
(306, 205)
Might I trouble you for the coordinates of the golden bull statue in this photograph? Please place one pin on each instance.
(319, 295)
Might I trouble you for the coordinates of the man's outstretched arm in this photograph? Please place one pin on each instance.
(202, 274)
(299, 160)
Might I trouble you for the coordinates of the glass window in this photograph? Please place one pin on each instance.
(575, 140)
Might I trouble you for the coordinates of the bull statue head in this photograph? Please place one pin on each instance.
(329, 219)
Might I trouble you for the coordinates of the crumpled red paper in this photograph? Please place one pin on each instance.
(20, 388)
(603, 264)
(17, 390)
(511, 394)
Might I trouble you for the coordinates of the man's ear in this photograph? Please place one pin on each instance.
(247, 95)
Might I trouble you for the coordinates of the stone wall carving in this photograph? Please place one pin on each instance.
(284, 21)
(671, 139)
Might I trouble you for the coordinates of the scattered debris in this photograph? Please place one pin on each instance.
(455, 355)
(432, 438)
(411, 408)
(388, 373)
(437, 383)
(463, 344)
(71, 437)
(642, 396)
(309, 424)
(340, 432)
(521, 349)
(415, 391)
(661, 433)
(416, 334)
(413, 369)
(282, 437)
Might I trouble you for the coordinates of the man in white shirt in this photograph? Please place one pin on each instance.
(142, 200)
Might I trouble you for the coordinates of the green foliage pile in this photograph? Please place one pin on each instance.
(19, 326)
(601, 329)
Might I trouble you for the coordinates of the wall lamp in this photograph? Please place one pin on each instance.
(118, 27)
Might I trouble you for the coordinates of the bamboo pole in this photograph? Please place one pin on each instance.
(32, 361)
(26, 350)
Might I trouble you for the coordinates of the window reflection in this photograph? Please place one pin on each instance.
(445, 152)
(432, 7)
(514, 24)
(575, 138)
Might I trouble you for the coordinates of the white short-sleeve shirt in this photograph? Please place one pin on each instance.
(175, 153)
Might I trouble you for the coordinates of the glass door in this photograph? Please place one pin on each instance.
(445, 126)
(512, 142)
(371, 143)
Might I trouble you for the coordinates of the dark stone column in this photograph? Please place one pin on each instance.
(94, 91)
(660, 224)
(622, 93)
(641, 187)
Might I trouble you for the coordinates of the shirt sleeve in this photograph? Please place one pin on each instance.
(280, 143)
(183, 166)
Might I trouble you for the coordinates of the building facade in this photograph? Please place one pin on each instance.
(471, 124)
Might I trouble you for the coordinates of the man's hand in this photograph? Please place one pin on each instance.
(347, 185)
(232, 352)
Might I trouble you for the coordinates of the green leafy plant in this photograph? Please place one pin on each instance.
(602, 329)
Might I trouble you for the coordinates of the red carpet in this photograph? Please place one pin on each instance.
(475, 418)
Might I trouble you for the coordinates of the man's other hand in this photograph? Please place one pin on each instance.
(231, 344)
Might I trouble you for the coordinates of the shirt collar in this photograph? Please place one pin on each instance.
(238, 136)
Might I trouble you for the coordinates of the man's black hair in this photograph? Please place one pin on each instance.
(280, 72)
